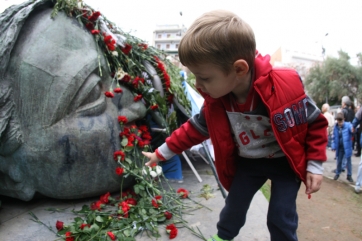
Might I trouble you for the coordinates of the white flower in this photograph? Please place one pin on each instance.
(115, 53)
(158, 170)
(153, 173)
(120, 73)
(144, 170)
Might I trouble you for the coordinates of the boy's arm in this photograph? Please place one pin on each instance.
(316, 144)
(192, 132)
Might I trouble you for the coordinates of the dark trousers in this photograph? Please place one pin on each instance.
(282, 219)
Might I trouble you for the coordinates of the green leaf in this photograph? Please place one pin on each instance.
(128, 160)
(94, 227)
(99, 219)
(124, 141)
(161, 219)
(148, 226)
(136, 189)
(126, 232)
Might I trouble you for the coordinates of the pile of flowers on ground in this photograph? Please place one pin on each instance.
(151, 206)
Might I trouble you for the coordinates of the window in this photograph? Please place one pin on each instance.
(177, 46)
(159, 36)
(167, 46)
(159, 46)
(168, 35)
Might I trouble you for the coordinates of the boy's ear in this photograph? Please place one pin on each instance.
(241, 67)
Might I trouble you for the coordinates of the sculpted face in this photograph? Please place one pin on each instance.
(69, 127)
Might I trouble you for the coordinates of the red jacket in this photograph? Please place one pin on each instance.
(302, 136)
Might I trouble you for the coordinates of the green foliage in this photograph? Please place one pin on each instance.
(334, 78)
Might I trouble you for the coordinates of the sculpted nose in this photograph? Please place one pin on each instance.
(129, 108)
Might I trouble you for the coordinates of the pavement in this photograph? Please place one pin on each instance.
(15, 223)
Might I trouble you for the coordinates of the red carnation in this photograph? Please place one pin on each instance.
(155, 201)
(126, 78)
(68, 236)
(83, 225)
(137, 98)
(59, 225)
(119, 171)
(94, 16)
(105, 198)
(160, 66)
(118, 154)
(154, 107)
(89, 26)
(109, 94)
(143, 128)
(95, 31)
(137, 80)
(183, 192)
(131, 201)
(126, 49)
(168, 215)
(122, 119)
(173, 233)
(143, 46)
(146, 136)
(111, 235)
(118, 90)
(172, 230)
(170, 98)
(141, 144)
(110, 42)
(96, 205)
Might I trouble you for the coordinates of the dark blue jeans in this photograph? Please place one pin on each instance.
(282, 219)
(340, 162)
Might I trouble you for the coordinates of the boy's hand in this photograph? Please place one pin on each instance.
(152, 158)
(313, 182)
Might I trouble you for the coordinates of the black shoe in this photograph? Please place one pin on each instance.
(349, 178)
(336, 177)
(343, 170)
(357, 154)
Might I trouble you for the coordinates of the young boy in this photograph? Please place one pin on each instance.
(260, 121)
(342, 144)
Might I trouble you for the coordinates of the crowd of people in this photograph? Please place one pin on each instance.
(344, 137)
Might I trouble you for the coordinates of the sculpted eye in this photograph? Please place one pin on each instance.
(89, 100)
(92, 96)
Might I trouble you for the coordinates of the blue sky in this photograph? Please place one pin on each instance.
(300, 24)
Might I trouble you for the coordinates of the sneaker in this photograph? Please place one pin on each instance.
(216, 238)
(336, 177)
(357, 189)
(349, 178)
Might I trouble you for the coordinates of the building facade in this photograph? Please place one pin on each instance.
(167, 38)
(301, 61)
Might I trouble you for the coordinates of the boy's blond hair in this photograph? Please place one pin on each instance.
(218, 37)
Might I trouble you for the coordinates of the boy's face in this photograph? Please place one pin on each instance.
(340, 122)
(213, 81)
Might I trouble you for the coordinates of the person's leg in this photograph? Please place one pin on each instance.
(245, 184)
(339, 163)
(344, 163)
(359, 177)
(349, 169)
(282, 217)
(349, 166)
